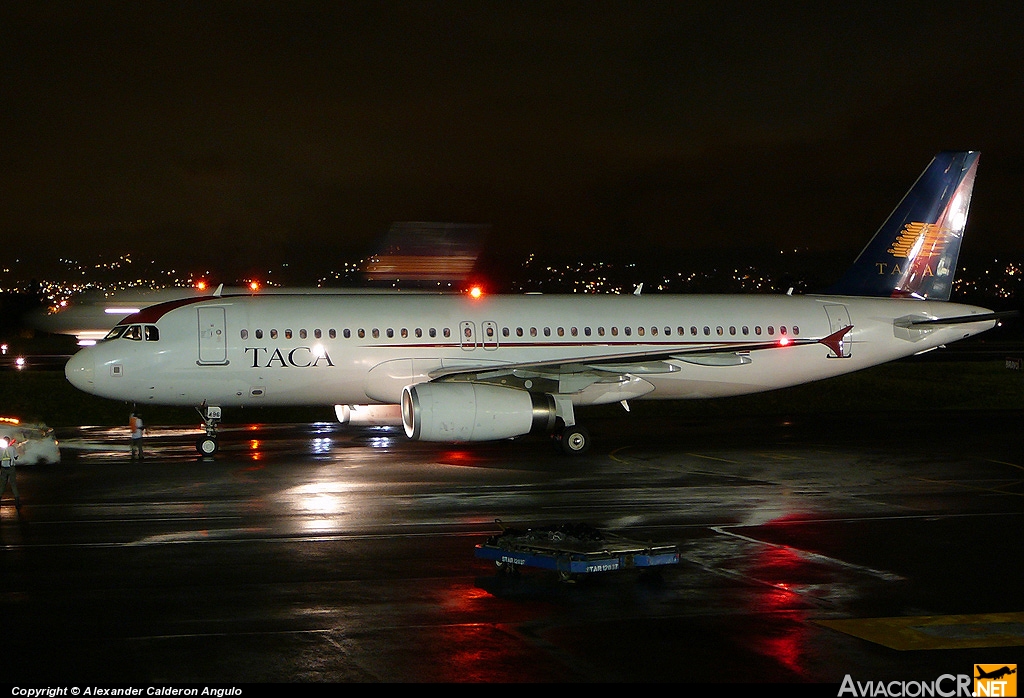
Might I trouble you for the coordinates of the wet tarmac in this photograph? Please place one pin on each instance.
(885, 547)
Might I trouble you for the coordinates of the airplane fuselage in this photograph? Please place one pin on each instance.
(364, 349)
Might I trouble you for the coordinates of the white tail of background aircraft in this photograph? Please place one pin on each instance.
(457, 368)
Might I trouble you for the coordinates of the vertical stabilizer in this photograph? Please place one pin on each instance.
(914, 253)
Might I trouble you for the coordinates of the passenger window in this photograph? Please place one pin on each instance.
(600, 332)
(361, 332)
(640, 331)
(419, 332)
(782, 330)
(586, 331)
(719, 331)
(347, 333)
(390, 333)
(745, 330)
(707, 331)
(628, 331)
(771, 330)
(317, 333)
(547, 331)
(757, 329)
(302, 334)
(259, 334)
(519, 332)
(432, 332)
(615, 332)
(446, 332)
(732, 330)
(561, 332)
(287, 334)
(244, 334)
(273, 334)
(654, 331)
(375, 332)
(333, 334)
(693, 330)
(796, 330)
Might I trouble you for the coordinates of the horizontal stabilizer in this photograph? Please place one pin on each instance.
(959, 320)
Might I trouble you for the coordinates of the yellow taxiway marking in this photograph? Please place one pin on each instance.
(936, 632)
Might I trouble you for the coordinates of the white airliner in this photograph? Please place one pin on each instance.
(457, 368)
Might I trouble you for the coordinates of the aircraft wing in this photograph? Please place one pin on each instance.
(576, 374)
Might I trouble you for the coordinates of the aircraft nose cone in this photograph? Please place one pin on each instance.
(80, 370)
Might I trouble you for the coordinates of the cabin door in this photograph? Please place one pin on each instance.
(213, 347)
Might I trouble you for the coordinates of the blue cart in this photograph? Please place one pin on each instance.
(572, 550)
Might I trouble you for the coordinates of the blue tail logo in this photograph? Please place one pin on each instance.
(914, 253)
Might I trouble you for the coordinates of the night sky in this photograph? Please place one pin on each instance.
(227, 133)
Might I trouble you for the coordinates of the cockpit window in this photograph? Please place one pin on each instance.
(134, 333)
(116, 332)
(152, 333)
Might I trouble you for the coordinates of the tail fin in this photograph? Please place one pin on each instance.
(914, 253)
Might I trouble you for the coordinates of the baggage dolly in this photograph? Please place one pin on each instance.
(572, 550)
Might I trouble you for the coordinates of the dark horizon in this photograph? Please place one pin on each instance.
(260, 130)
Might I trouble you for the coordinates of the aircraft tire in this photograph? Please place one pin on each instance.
(575, 440)
(207, 445)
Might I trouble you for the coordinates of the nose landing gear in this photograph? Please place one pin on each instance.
(208, 445)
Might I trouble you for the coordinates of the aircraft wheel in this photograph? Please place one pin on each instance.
(207, 445)
(575, 440)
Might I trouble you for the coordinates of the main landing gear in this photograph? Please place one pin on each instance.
(208, 445)
(574, 440)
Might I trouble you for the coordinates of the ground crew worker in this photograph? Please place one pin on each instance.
(9, 454)
(137, 429)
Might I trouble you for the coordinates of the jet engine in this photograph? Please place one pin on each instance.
(473, 412)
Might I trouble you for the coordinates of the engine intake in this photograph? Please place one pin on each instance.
(473, 412)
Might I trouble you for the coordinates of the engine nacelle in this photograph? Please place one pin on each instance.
(473, 412)
(369, 415)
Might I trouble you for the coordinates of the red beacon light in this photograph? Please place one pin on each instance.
(254, 286)
(784, 341)
(201, 285)
(476, 292)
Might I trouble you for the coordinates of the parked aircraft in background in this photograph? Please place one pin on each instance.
(459, 368)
